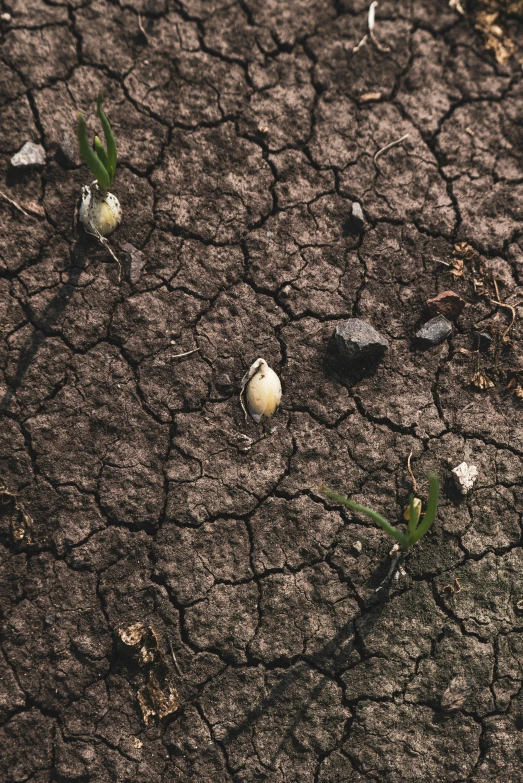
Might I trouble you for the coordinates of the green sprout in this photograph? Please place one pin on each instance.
(415, 528)
(101, 163)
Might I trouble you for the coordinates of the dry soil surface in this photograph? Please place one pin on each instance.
(140, 495)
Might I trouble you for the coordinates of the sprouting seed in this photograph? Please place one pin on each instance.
(415, 528)
(100, 211)
(261, 390)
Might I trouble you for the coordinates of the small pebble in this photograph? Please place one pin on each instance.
(30, 155)
(447, 303)
(358, 546)
(434, 331)
(6, 17)
(356, 221)
(357, 340)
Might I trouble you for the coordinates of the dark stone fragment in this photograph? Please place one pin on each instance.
(357, 340)
(356, 221)
(447, 303)
(434, 332)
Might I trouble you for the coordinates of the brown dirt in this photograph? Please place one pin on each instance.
(245, 131)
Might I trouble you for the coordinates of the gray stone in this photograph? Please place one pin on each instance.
(357, 340)
(30, 155)
(434, 331)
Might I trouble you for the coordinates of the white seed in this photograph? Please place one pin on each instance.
(261, 389)
(465, 476)
(99, 211)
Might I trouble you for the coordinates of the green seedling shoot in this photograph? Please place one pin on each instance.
(100, 211)
(415, 529)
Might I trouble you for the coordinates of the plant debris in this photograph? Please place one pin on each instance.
(158, 698)
(387, 147)
(464, 477)
(21, 522)
(140, 642)
(447, 303)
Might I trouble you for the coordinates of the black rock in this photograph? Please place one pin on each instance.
(356, 221)
(434, 331)
(358, 341)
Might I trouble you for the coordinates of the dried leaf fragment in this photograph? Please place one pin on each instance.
(158, 698)
(495, 37)
(458, 689)
(480, 381)
(140, 642)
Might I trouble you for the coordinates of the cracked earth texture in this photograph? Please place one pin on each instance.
(246, 130)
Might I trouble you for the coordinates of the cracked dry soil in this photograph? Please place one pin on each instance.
(245, 130)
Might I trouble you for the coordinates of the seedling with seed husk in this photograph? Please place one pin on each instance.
(100, 211)
(415, 529)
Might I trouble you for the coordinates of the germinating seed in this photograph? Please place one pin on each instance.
(261, 390)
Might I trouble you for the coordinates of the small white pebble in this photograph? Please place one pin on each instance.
(465, 476)
(6, 17)
(30, 155)
(357, 545)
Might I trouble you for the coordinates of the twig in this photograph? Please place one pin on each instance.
(105, 243)
(14, 204)
(513, 313)
(379, 47)
(361, 43)
(411, 474)
(187, 353)
(389, 146)
(372, 22)
(175, 662)
(140, 25)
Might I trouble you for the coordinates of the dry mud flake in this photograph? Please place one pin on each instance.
(137, 499)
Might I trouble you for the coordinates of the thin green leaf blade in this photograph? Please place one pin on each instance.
(109, 138)
(88, 154)
(100, 151)
(368, 512)
(430, 514)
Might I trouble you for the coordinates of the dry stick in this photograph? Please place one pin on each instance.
(14, 204)
(411, 474)
(506, 306)
(379, 47)
(513, 312)
(389, 146)
(361, 43)
(175, 662)
(372, 22)
(140, 25)
(187, 353)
